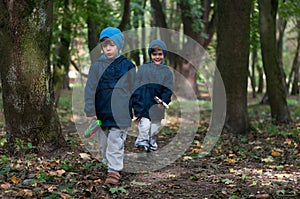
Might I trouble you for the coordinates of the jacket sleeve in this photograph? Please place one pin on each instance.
(168, 86)
(90, 90)
(132, 79)
(137, 100)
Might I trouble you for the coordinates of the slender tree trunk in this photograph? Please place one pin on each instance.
(65, 39)
(125, 22)
(252, 75)
(275, 87)
(135, 22)
(143, 33)
(26, 28)
(296, 65)
(93, 34)
(281, 29)
(260, 79)
(233, 40)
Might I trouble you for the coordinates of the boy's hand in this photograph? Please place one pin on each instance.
(89, 119)
(161, 106)
(138, 119)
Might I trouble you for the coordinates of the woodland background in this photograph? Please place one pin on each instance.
(255, 45)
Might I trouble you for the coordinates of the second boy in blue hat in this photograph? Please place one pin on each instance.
(153, 79)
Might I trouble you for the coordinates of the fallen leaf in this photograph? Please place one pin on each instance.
(60, 172)
(198, 144)
(15, 179)
(186, 158)
(85, 156)
(172, 176)
(195, 150)
(275, 153)
(267, 160)
(229, 160)
(65, 196)
(5, 186)
(282, 176)
(26, 192)
(53, 163)
(139, 183)
(262, 196)
(232, 155)
(98, 181)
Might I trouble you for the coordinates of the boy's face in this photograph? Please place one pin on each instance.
(157, 56)
(109, 48)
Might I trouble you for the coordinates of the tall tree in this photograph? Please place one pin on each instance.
(275, 86)
(198, 24)
(233, 31)
(296, 65)
(26, 28)
(125, 22)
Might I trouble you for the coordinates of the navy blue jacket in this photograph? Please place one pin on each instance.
(108, 91)
(152, 80)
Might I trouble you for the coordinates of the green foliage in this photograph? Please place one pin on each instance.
(67, 188)
(22, 144)
(102, 13)
(254, 26)
(53, 196)
(68, 166)
(43, 177)
(117, 189)
(65, 103)
(4, 159)
(3, 141)
(234, 197)
(290, 8)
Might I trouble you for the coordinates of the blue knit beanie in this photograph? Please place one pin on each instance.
(158, 43)
(114, 34)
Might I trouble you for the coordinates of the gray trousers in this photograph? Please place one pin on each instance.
(111, 144)
(147, 133)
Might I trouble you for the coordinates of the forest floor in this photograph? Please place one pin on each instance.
(264, 163)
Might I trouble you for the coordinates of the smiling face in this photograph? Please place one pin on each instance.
(157, 55)
(109, 48)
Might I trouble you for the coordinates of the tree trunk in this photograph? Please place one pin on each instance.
(296, 65)
(143, 33)
(65, 40)
(26, 28)
(260, 79)
(233, 32)
(281, 29)
(275, 87)
(125, 22)
(252, 75)
(93, 34)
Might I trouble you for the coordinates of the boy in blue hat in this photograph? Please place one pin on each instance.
(107, 98)
(153, 79)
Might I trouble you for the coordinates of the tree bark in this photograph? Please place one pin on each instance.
(233, 33)
(26, 28)
(275, 87)
(252, 74)
(93, 34)
(125, 17)
(260, 79)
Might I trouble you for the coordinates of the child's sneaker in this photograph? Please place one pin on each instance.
(112, 178)
(145, 148)
(152, 144)
(142, 144)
